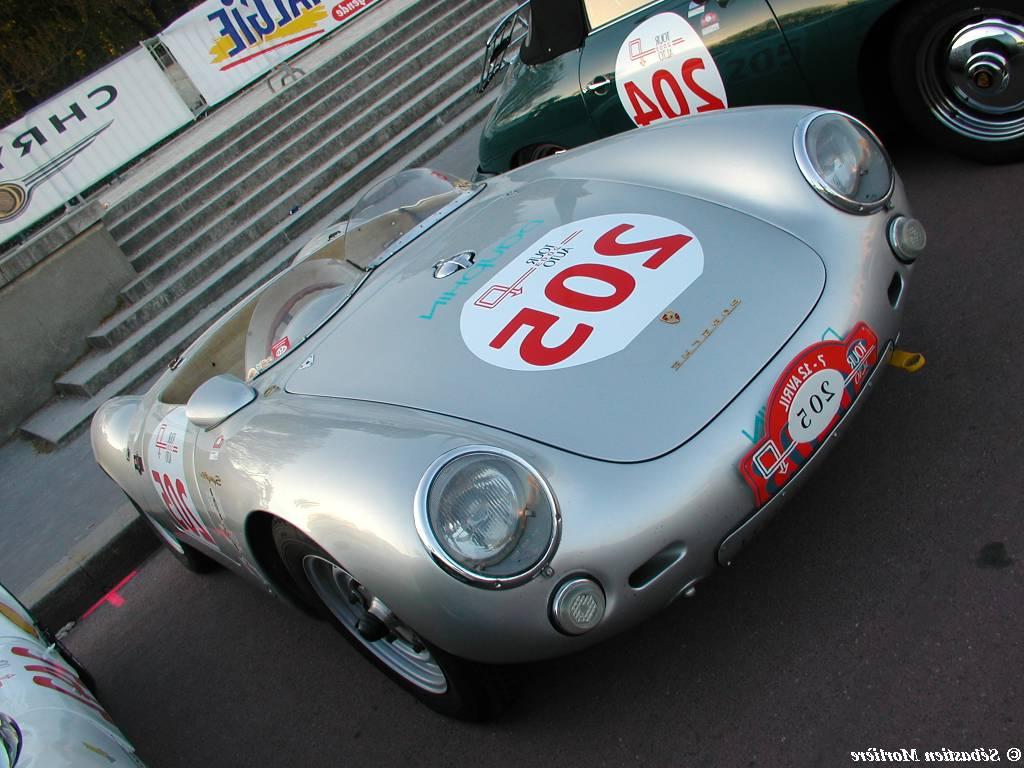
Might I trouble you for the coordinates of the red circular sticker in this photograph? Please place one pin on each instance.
(809, 398)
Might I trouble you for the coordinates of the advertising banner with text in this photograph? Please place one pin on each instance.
(224, 45)
(79, 137)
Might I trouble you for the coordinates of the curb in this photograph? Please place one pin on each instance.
(91, 569)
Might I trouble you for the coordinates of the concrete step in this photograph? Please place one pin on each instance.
(370, 34)
(262, 216)
(64, 417)
(279, 139)
(300, 144)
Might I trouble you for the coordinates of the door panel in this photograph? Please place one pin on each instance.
(170, 455)
(677, 58)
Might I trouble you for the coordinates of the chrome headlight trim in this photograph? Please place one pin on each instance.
(433, 545)
(818, 182)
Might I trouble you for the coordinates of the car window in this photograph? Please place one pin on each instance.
(600, 12)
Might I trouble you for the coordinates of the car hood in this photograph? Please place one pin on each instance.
(709, 296)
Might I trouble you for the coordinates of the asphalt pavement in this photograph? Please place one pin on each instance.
(883, 610)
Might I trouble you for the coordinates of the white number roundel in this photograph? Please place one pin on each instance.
(815, 405)
(581, 292)
(664, 71)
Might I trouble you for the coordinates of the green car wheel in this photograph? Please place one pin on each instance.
(957, 73)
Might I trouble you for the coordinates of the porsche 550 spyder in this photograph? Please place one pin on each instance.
(953, 69)
(49, 717)
(487, 423)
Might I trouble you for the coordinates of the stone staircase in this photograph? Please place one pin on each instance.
(227, 217)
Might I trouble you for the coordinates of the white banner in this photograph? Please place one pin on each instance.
(224, 45)
(79, 137)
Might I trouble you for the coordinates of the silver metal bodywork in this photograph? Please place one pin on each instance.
(641, 457)
(52, 719)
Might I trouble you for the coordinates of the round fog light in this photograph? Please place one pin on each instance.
(907, 238)
(578, 606)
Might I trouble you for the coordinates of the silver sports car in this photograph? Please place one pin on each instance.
(495, 422)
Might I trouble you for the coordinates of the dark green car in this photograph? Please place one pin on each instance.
(954, 70)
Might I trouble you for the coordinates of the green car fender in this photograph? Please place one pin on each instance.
(539, 107)
(839, 48)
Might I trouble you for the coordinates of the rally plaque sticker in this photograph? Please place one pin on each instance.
(664, 71)
(581, 292)
(810, 397)
(167, 471)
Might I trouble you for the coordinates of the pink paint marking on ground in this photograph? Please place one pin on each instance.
(112, 596)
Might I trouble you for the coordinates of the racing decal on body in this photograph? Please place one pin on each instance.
(214, 453)
(467, 275)
(167, 471)
(280, 347)
(808, 400)
(581, 292)
(52, 675)
(664, 71)
(709, 23)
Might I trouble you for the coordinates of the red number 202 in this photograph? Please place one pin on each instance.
(532, 348)
(175, 500)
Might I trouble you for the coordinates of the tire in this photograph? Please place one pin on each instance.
(958, 78)
(535, 152)
(190, 557)
(449, 685)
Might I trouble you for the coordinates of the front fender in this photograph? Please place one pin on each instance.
(114, 432)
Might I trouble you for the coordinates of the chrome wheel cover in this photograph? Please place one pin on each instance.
(349, 601)
(971, 75)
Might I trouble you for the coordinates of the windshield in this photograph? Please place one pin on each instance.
(390, 209)
(331, 266)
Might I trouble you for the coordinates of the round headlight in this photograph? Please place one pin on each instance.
(844, 162)
(487, 516)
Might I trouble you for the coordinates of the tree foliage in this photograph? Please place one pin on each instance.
(46, 47)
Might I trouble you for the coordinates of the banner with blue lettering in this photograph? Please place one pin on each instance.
(224, 45)
(83, 135)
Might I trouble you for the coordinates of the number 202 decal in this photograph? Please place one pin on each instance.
(582, 292)
(664, 71)
(167, 471)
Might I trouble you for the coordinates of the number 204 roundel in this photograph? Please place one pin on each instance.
(664, 71)
(581, 292)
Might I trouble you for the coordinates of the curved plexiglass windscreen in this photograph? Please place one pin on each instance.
(390, 209)
(330, 266)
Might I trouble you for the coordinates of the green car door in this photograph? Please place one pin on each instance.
(683, 57)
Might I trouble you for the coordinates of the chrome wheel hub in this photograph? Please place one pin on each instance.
(986, 66)
(974, 81)
(370, 621)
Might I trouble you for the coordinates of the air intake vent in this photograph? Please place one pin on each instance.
(657, 565)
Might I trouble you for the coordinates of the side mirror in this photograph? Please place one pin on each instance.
(216, 399)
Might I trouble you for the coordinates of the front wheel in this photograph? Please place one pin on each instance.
(447, 684)
(957, 72)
